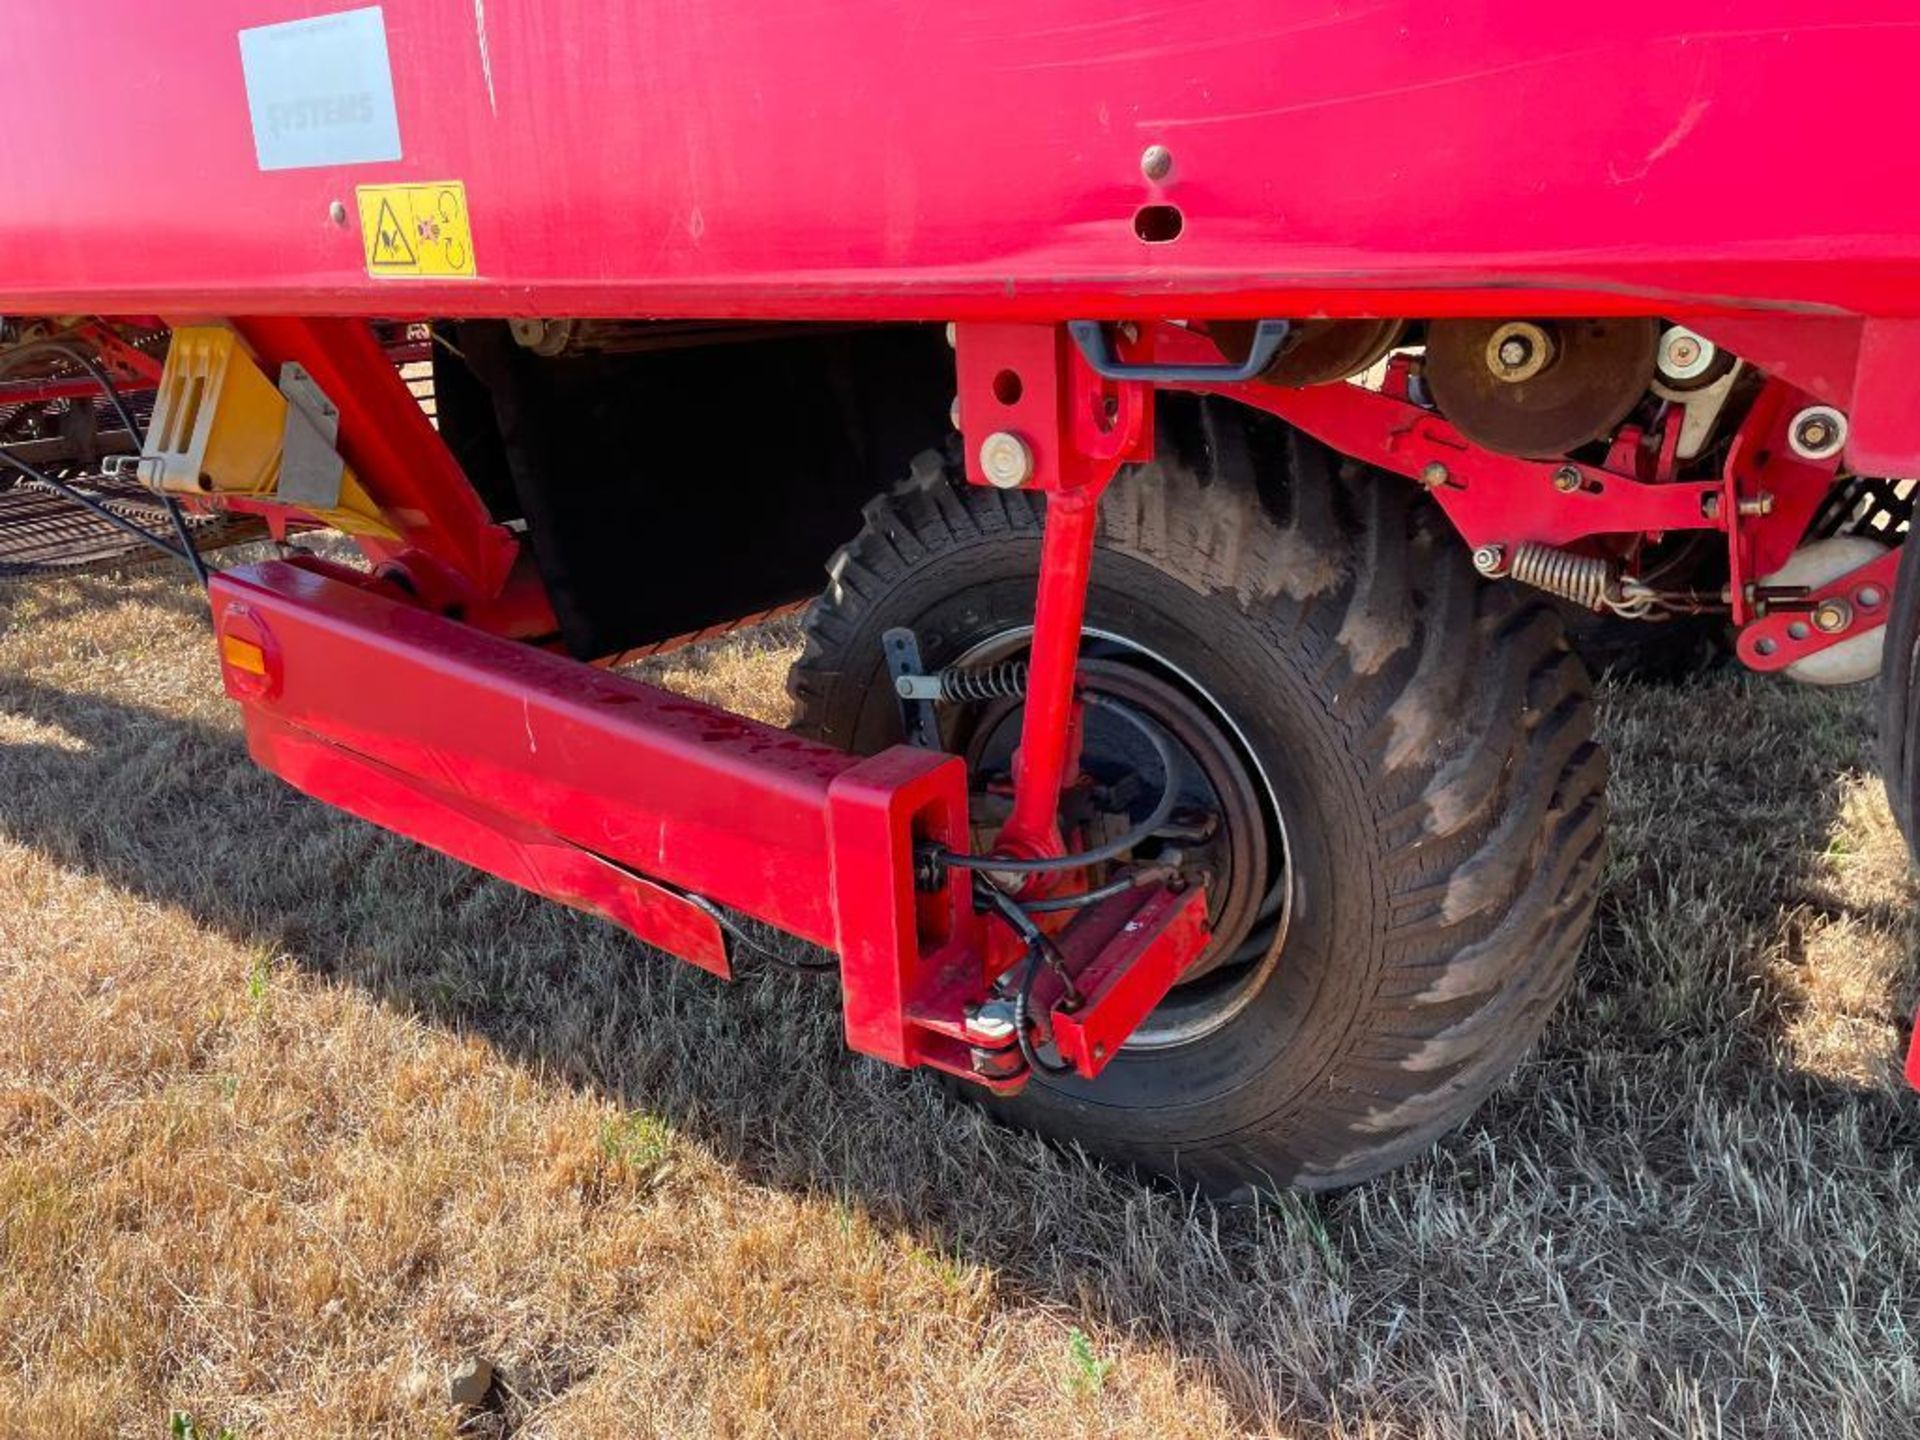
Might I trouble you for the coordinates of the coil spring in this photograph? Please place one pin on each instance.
(1584, 579)
(961, 685)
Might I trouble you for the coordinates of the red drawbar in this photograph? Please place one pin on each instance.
(613, 796)
(1913, 1054)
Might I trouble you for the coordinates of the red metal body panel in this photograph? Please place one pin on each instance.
(881, 160)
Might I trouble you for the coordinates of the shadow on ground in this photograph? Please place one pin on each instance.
(1621, 1241)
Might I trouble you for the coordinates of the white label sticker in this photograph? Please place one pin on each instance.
(320, 91)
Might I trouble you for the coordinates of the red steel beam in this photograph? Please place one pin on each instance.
(611, 795)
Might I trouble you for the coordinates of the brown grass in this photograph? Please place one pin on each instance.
(295, 1116)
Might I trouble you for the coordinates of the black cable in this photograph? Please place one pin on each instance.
(1054, 904)
(87, 502)
(1035, 939)
(1022, 1008)
(187, 552)
(741, 937)
(77, 356)
(1040, 951)
(1162, 811)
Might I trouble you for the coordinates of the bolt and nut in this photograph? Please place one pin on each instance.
(1156, 163)
(1567, 479)
(1006, 460)
(1488, 559)
(1433, 475)
(1753, 507)
(990, 1021)
(1830, 617)
(1518, 350)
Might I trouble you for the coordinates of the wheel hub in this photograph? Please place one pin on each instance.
(1225, 830)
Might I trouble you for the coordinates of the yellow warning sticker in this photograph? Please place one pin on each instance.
(416, 230)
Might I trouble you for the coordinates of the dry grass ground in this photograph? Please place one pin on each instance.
(294, 1116)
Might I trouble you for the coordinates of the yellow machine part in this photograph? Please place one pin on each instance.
(218, 429)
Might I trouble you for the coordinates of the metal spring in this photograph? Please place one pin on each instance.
(960, 685)
(1584, 579)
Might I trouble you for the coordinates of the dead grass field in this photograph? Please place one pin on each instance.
(295, 1116)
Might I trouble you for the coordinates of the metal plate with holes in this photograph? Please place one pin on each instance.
(310, 468)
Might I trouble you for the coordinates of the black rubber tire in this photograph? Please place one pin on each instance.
(1899, 716)
(1428, 739)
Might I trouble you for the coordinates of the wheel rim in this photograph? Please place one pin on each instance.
(1211, 744)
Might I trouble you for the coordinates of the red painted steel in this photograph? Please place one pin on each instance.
(1787, 633)
(910, 962)
(1763, 502)
(130, 361)
(434, 814)
(733, 158)
(1913, 1054)
(1491, 499)
(1124, 958)
(1048, 723)
(685, 793)
(1030, 384)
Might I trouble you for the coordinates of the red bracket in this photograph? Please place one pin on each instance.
(1124, 957)
(1491, 499)
(1037, 417)
(1839, 610)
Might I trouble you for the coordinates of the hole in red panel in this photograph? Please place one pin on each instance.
(1158, 224)
(1007, 388)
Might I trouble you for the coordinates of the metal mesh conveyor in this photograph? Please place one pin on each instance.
(42, 533)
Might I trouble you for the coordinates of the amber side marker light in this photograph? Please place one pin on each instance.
(243, 655)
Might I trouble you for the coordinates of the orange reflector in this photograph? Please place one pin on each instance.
(243, 655)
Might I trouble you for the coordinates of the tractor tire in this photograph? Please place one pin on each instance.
(1899, 715)
(1420, 744)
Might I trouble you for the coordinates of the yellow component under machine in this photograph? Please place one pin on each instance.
(221, 427)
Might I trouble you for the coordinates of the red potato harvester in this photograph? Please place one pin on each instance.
(1246, 437)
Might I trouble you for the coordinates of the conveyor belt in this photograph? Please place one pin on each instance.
(42, 533)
